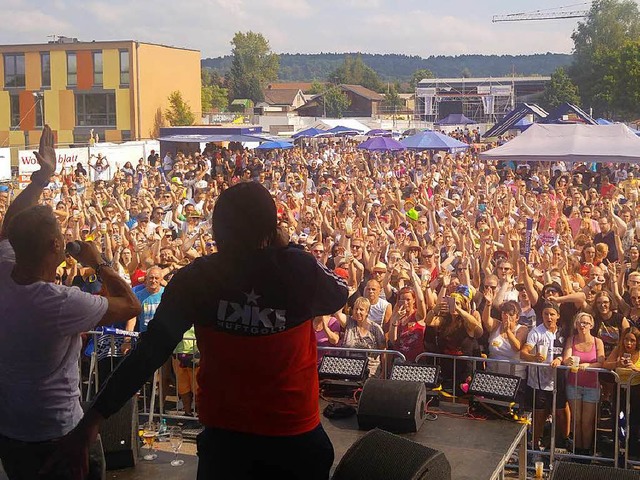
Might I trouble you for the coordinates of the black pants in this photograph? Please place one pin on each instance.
(23, 460)
(223, 454)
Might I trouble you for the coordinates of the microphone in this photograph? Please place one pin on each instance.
(73, 248)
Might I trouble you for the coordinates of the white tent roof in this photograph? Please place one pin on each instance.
(327, 123)
(578, 143)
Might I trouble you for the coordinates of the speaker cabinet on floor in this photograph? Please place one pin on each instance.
(381, 455)
(120, 437)
(394, 405)
(576, 471)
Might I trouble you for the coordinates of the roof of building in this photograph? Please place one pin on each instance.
(75, 42)
(246, 102)
(482, 80)
(281, 96)
(363, 92)
(304, 86)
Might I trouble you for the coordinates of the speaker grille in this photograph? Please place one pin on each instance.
(380, 455)
(393, 405)
(573, 471)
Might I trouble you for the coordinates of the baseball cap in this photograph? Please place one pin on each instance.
(176, 180)
(4, 188)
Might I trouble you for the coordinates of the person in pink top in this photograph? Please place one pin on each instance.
(327, 329)
(583, 350)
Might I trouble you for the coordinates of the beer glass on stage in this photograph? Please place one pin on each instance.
(149, 434)
(175, 438)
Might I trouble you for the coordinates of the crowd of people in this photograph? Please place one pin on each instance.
(442, 253)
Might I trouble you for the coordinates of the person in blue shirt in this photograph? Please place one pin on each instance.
(149, 296)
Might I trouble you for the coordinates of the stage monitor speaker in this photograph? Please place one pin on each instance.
(381, 455)
(120, 437)
(394, 405)
(573, 471)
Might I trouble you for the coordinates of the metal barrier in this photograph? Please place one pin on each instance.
(628, 386)
(148, 405)
(551, 453)
(477, 363)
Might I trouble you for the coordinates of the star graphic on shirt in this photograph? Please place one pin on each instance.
(252, 297)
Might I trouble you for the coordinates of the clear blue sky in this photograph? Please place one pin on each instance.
(412, 27)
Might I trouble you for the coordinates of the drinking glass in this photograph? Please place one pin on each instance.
(175, 438)
(149, 434)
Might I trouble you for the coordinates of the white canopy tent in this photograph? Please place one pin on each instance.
(570, 143)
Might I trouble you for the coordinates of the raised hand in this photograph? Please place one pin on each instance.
(46, 154)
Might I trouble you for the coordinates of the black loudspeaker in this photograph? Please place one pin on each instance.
(120, 437)
(394, 405)
(381, 455)
(573, 471)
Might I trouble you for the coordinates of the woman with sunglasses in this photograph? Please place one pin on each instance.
(583, 350)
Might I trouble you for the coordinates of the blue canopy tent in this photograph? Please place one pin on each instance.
(433, 141)
(381, 144)
(522, 124)
(455, 119)
(275, 144)
(308, 133)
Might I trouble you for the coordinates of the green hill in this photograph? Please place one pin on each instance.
(391, 67)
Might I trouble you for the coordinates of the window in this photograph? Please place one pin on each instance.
(72, 69)
(45, 69)
(39, 106)
(14, 70)
(97, 68)
(96, 109)
(14, 106)
(124, 67)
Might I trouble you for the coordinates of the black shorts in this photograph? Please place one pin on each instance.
(544, 398)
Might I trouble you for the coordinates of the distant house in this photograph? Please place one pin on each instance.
(409, 101)
(281, 100)
(364, 103)
(241, 105)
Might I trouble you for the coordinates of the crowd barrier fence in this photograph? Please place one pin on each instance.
(478, 363)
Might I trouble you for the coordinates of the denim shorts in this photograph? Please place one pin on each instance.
(586, 394)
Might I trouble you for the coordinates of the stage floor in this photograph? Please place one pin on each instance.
(476, 449)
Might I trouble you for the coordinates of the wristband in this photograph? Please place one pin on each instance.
(100, 266)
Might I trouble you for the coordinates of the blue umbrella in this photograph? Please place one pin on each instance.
(274, 145)
(381, 144)
(340, 130)
(309, 132)
(433, 141)
(379, 132)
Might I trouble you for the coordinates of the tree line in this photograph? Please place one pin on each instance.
(395, 67)
(602, 75)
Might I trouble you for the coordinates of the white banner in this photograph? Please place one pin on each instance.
(5, 164)
(119, 154)
(501, 90)
(484, 89)
(68, 158)
(488, 103)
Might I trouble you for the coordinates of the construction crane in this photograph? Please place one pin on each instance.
(545, 14)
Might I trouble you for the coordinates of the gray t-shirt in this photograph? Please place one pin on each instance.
(39, 352)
